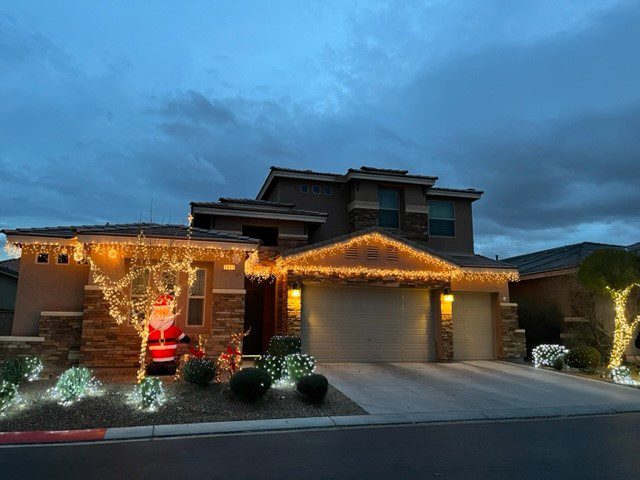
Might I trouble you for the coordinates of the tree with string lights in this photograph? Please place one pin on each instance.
(614, 273)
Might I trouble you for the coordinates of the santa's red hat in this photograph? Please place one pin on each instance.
(163, 300)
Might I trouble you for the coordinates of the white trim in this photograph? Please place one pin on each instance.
(202, 297)
(417, 209)
(35, 258)
(363, 204)
(229, 290)
(163, 359)
(58, 259)
(61, 314)
(49, 240)
(435, 191)
(10, 338)
(253, 214)
(292, 235)
(92, 287)
(163, 346)
(508, 304)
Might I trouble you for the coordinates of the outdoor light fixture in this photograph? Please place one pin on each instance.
(295, 289)
(447, 296)
(112, 253)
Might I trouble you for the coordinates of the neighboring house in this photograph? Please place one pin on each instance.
(370, 265)
(549, 278)
(9, 270)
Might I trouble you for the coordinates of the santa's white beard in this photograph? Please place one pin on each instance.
(162, 323)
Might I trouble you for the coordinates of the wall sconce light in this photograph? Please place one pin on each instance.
(295, 289)
(228, 266)
(447, 296)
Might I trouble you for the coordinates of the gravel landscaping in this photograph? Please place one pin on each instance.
(186, 404)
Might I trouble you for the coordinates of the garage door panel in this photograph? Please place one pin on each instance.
(473, 337)
(367, 324)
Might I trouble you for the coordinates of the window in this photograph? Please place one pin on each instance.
(63, 259)
(139, 284)
(42, 258)
(195, 310)
(304, 188)
(316, 189)
(268, 235)
(441, 218)
(328, 190)
(388, 213)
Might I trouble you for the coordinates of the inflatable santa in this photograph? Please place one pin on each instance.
(164, 337)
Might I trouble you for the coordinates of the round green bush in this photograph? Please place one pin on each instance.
(8, 394)
(250, 384)
(313, 387)
(199, 371)
(271, 364)
(583, 358)
(148, 395)
(558, 363)
(18, 370)
(299, 365)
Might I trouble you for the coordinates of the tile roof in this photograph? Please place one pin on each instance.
(466, 260)
(153, 230)
(10, 266)
(560, 258)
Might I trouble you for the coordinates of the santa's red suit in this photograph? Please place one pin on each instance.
(164, 337)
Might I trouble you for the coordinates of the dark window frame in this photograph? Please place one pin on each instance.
(439, 220)
(381, 190)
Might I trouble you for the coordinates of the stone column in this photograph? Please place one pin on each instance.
(514, 343)
(227, 319)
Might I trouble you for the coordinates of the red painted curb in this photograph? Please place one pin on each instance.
(52, 436)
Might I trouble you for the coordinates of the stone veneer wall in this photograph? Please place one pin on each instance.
(513, 338)
(287, 243)
(104, 343)
(415, 225)
(57, 344)
(361, 218)
(227, 319)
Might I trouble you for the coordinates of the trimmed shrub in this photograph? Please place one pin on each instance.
(74, 384)
(622, 375)
(8, 394)
(313, 387)
(583, 358)
(18, 370)
(283, 345)
(250, 384)
(299, 365)
(199, 371)
(545, 355)
(149, 394)
(558, 363)
(274, 366)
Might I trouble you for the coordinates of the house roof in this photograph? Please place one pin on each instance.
(244, 207)
(152, 230)
(560, 258)
(634, 248)
(460, 260)
(10, 267)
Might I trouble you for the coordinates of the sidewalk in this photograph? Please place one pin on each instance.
(151, 432)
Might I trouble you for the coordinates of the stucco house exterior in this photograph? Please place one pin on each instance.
(549, 277)
(9, 270)
(371, 265)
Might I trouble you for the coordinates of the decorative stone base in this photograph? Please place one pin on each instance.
(361, 218)
(227, 319)
(514, 343)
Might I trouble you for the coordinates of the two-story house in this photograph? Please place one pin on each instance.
(372, 265)
(368, 255)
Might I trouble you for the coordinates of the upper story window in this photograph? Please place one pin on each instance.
(328, 190)
(442, 218)
(388, 209)
(303, 187)
(63, 259)
(315, 189)
(42, 258)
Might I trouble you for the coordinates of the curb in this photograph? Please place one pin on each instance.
(150, 432)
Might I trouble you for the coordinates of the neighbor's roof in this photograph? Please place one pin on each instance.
(246, 207)
(560, 258)
(151, 230)
(634, 248)
(10, 267)
(460, 260)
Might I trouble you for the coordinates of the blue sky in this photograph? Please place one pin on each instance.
(111, 107)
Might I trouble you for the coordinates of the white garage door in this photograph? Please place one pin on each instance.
(353, 324)
(473, 337)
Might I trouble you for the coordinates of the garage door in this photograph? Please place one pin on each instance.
(352, 324)
(473, 337)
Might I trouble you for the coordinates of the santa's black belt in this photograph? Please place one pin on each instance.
(164, 340)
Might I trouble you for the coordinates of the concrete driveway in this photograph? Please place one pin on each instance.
(475, 389)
